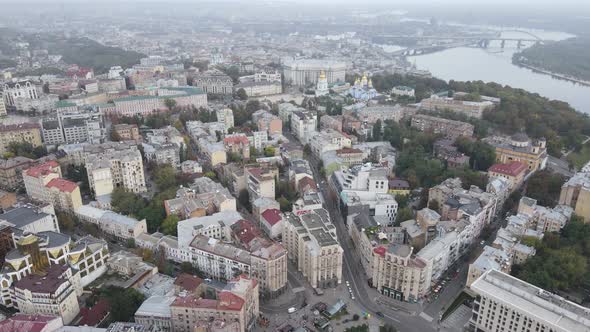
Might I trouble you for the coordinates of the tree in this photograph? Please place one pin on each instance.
(124, 302)
(285, 205)
(170, 103)
(244, 199)
(130, 243)
(545, 187)
(211, 175)
(307, 150)
(169, 225)
(387, 328)
(165, 177)
(66, 221)
(377, 130)
(241, 94)
(404, 214)
(187, 267)
(269, 151)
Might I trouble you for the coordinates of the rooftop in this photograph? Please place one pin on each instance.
(47, 283)
(62, 185)
(511, 169)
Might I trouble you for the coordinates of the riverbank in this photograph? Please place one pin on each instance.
(550, 73)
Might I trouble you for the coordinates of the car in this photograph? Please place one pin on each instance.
(380, 314)
(482, 243)
(291, 310)
(347, 283)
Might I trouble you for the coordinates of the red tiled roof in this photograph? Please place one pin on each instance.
(48, 283)
(62, 185)
(188, 282)
(42, 169)
(93, 316)
(26, 323)
(272, 216)
(230, 301)
(245, 231)
(236, 139)
(226, 301)
(306, 181)
(19, 126)
(380, 251)
(512, 169)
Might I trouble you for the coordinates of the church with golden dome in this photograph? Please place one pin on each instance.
(363, 89)
(322, 85)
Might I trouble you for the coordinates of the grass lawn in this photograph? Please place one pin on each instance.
(579, 159)
(456, 303)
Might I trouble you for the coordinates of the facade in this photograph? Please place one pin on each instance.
(225, 116)
(63, 194)
(328, 140)
(52, 294)
(266, 121)
(399, 274)
(468, 108)
(214, 82)
(113, 165)
(401, 90)
(303, 125)
(322, 85)
(21, 89)
(311, 241)
(260, 182)
(331, 122)
(506, 302)
(308, 71)
(113, 224)
(575, 193)
(449, 128)
(20, 133)
(147, 104)
(519, 147)
(127, 132)
(362, 89)
(237, 144)
(514, 172)
(260, 89)
(37, 178)
(74, 126)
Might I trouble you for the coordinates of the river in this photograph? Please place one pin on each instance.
(495, 65)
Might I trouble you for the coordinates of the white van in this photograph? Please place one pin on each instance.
(291, 310)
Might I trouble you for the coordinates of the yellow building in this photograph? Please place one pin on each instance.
(576, 193)
(64, 194)
(399, 187)
(520, 148)
(20, 133)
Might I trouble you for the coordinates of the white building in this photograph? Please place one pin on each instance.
(308, 71)
(505, 302)
(304, 125)
(328, 140)
(21, 89)
(114, 224)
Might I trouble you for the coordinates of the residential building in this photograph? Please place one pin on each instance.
(311, 242)
(371, 114)
(366, 177)
(24, 323)
(25, 132)
(216, 226)
(473, 109)
(229, 261)
(401, 90)
(127, 132)
(575, 193)
(162, 154)
(237, 303)
(37, 178)
(341, 158)
(260, 89)
(3, 111)
(260, 182)
(63, 194)
(31, 219)
(331, 122)
(155, 313)
(214, 82)
(266, 121)
(449, 128)
(399, 274)
(514, 172)
(146, 104)
(237, 144)
(258, 140)
(272, 222)
(52, 293)
(328, 140)
(74, 125)
(114, 165)
(506, 302)
(203, 197)
(226, 117)
(399, 186)
(519, 147)
(113, 224)
(307, 71)
(303, 125)
(7, 199)
(444, 149)
(191, 167)
(490, 259)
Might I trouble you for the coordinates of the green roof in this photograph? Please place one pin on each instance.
(64, 103)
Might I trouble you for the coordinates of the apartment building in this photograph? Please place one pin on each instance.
(519, 147)
(127, 132)
(575, 193)
(225, 116)
(63, 194)
(203, 197)
(236, 307)
(399, 274)
(21, 89)
(31, 219)
(113, 224)
(228, 260)
(20, 133)
(505, 302)
(214, 82)
(328, 140)
(260, 89)
(303, 125)
(514, 172)
(36, 179)
(52, 293)
(215, 226)
(311, 242)
(371, 114)
(260, 182)
(147, 104)
(307, 71)
(266, 121)
(237, 144)
(3, 111)
(74, 125)
(473, 109)
(113, 165)
(449, 128)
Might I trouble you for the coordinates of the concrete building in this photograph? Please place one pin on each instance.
(216, 226)
(311, 241)
(331, 122)
(575, 193)
(520, 148)
(74, 125)
(514, 172)
(328, 140)
(238, 303)
(113, 224)
(449, 128)
(469, 108)
(52, 293)
(260, 182)
(506, 302)
(114, 165)
(147, 104)
(214, 82)
(36, 179)
(399, 274)
(266, 121)
(21, 89)
(20, 133)
(237, 144)
(127, 132)
(202, 197)
(303, 125)
(371, 114)
(31, 219)
(307, 71)
(226, 117)
(401, 90)
(155, 313)
(260, 89)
